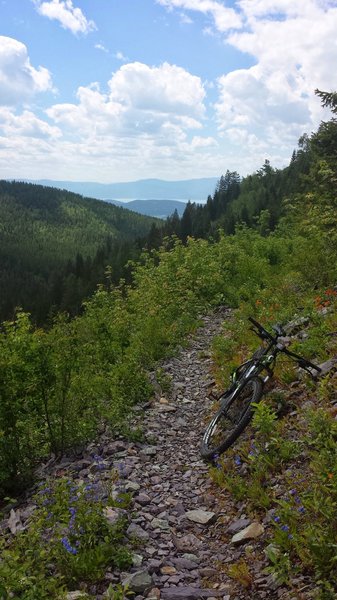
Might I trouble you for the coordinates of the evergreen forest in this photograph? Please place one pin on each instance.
(93, 296)
(55, 245)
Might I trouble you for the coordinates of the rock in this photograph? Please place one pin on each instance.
(160, 524)
(187, 542)
(208, 572)
(327, 366)
(184, 563)
(251, 532)
(138, 582)
(114, 447)
(188, 593)
(167, 408)
(153, 594)
(168, 570)
(143, 499)
(113, 515)
(131, 486)
(14, 521)
(137, 531)
(150, 451)
(192, 557)
(238, 525)
(78, 595)
(137, 560)
(201, 516)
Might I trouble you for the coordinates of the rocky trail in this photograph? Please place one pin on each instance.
(189, 532)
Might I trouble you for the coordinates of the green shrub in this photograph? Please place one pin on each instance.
(68, 541)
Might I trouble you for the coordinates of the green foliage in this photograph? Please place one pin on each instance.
(55, 246)
(305, 524)
(119, 592)
(69, 540)
(240, 572)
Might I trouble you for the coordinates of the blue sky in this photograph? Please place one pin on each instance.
(118, 90)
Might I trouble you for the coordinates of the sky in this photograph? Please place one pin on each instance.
(121, 90)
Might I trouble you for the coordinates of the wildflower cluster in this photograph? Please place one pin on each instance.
(286, 520)
(325, 299)
(68, 534)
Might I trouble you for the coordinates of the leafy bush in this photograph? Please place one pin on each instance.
(69, 540)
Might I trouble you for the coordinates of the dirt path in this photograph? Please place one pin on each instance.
(186, 523)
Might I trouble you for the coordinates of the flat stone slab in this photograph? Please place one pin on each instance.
(139, 581)
(189, 593)
(202, 517)
(251, 532)
(237, 526)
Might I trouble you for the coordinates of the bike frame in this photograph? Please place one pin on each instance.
(265, 362)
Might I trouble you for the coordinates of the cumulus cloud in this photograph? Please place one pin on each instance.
(19, 80)
(146, 116)
(294, 55)
(293, 46)
(140, 100)
(26, 124)
(164, 89)
(69, 16)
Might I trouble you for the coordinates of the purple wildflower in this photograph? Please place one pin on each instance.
(69, 548)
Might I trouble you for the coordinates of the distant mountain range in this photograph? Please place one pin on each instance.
(153, 208)
(196, 190)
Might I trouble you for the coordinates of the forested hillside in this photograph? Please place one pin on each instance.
(271, 254)
(54, 246)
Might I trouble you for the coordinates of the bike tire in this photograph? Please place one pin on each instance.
(231, 418)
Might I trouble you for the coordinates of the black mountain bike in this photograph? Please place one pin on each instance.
(247, 387)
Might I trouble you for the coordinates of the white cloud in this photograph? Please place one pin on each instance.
(26, 125)
(120, 56)
(293, 45)
(294, 55)
(101, 47)
(146, 120)
(203, 142)
(141, 100)
(19, 80)
(68, 15)
(167, 89)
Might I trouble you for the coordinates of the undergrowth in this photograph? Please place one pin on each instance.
(285, 465)
(68, 542)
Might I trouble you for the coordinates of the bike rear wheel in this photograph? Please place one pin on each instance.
(231, 418)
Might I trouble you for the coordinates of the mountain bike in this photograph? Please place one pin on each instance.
(247, 387)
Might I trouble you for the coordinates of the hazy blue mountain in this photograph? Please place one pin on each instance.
(153, 208)
(190, 189)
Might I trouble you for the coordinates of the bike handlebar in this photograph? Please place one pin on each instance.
(261, 331)
(302, 362)
(265, 335)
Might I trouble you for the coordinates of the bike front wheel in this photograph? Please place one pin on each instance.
(231, 418)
